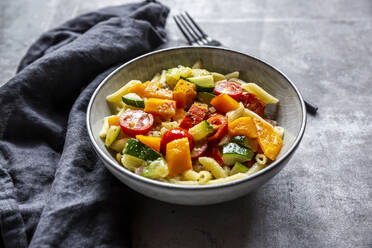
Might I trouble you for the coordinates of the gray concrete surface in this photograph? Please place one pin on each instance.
(323, 198)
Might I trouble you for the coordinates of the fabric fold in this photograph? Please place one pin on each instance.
(54, 189)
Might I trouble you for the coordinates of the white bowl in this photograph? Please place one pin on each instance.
(290, 113)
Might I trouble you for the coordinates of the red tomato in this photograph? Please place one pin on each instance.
(251, 102)
(214, 153)
(134, 122)
(250, 163)
(229, 88)
(219, 123)
(173, 134)
(195, 115)
(199, 150)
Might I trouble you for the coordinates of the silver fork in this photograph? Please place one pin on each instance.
(195, 36)
(193, 33)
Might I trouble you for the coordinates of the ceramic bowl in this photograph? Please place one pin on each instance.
(289, 112)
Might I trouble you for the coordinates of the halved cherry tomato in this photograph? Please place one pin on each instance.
(219, 123)
(199, 150)
(134, 122)
(229, 88)
(214, 153)
(173, 134)
(251, 102)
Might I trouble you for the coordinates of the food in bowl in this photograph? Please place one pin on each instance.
(191, 126)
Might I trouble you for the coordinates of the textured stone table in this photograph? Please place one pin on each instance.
(323, 198)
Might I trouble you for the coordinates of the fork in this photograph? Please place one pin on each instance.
(195, 36)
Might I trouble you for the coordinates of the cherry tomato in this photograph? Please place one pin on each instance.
(199, 150)
(134, 122)
(214, 153)
(251, 102)
(173, 134)
(219, 123)
(229, 88)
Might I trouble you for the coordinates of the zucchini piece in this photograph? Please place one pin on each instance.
(205, 97)
(203, 83)
(241, 140)
(156, 169)
(139, 150)
(134, 100)
(246, 142)
(131, 162)
(238, 168)
(232, 153)
(112, 134)
(174, 74)
(201, 130)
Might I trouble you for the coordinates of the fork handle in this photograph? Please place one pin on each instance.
(311, 108)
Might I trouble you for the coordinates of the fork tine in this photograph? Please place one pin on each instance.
(196, 25)
(199, 37)
(186, 28)
(182, 31)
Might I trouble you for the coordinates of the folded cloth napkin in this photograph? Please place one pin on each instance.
(54, 191)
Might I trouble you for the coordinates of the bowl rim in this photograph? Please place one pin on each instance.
(152, 182)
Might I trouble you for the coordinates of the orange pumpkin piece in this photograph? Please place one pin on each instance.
(160, 107)
(152, 142)
(184, 93)
(268, 139)
(113, 120)
(151, 89)
(178, 156)
(243, 126)
(224, 103)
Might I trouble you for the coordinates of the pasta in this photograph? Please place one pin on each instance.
(191, 175)
(189, 126)
(204, 177)
(211, 165)
(234, 74)
(261, 159)
(260, 93)
(280, 131)
(256, 167)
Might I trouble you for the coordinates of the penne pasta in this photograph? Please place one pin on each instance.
(256, 167)
(191, 175)
(261, 159)
(211, 165)
(234, 74)
(197, 65)
(227, 179)
(280, 131)
(218, 77)
(156, 77)
(116, 96)
(204, 177)
(260, 93)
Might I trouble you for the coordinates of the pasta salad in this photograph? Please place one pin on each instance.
(191, 126)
